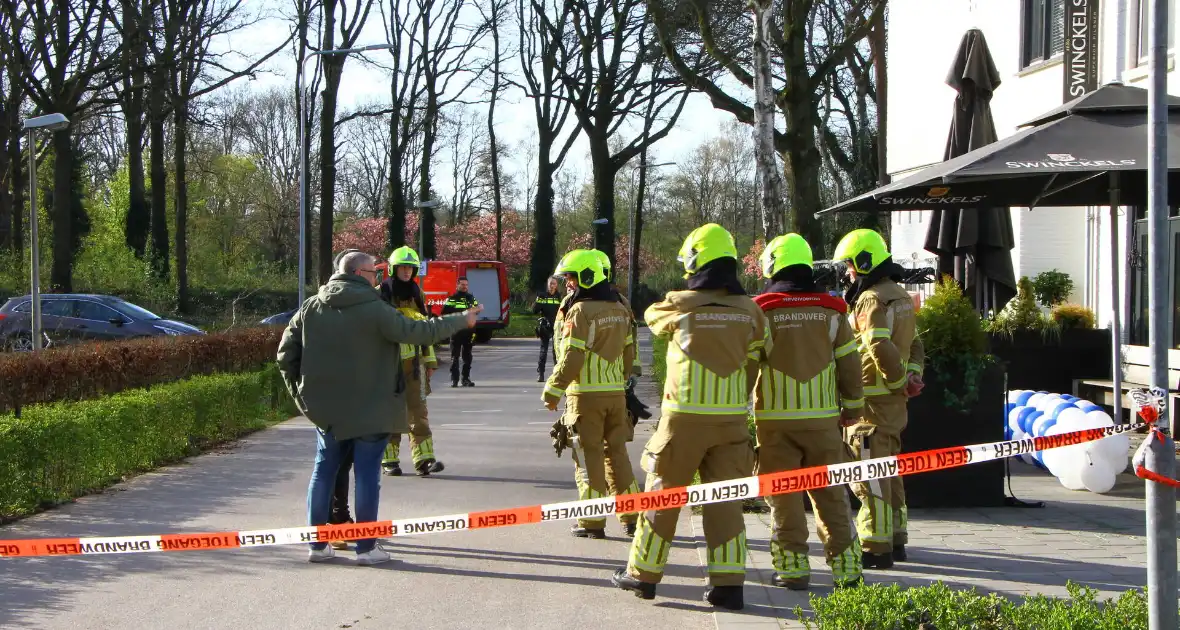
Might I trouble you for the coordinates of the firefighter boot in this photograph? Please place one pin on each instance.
(390, 463)
(642, 590)
(588, 532)
(728, 597)
(629, 529)
(424, 467)
(878, 560)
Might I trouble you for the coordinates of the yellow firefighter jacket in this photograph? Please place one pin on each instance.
(813, 371)
(408, 352)
(598, 351)
(716, 342)
(885, 325)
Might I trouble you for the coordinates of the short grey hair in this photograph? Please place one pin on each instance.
(352, 261)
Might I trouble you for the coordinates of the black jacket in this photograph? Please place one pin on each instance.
(546, 306)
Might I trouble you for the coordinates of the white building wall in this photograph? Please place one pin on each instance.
(924, 36)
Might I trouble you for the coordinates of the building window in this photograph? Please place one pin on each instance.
(1143, 46)
(1043, 30)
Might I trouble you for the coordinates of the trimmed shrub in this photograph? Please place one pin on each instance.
(1052, 287)
(56, 452)
(1067, 316)
(91, 370)
(878, 607)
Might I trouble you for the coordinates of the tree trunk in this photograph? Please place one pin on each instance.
(495, 155)
(6, 199)
(636, 228)
(604, 195)
(426, 219)
(396, 227)
(138, 221)
(769, 183)
(544, 250)
(159, 173)
(877, 46)
(801, 160)
(333, 68)
(17, 176)
(180, 146)
(62, 212)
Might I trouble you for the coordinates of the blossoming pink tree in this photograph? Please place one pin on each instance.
(473, 240)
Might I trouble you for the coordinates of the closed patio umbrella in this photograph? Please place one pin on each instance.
(974, 244)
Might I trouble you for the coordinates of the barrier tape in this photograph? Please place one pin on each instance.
(798, 480)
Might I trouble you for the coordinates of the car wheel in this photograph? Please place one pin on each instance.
(20, 342)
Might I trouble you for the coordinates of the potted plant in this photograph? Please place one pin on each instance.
(1049, 352)
(962, 403)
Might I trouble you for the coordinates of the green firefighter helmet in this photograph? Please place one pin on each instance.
(404, 255)
(584, 264)
(865, 249)
(704, 245)
(604, 260)
(785, 251)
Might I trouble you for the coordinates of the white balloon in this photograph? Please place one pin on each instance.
(1035, 400)
(1096, 476)
(1071, 415)
(1113, 449)
(1049, 402)
(1101, 417)
(1014, 395)
(1054, 458)
(1072, 478)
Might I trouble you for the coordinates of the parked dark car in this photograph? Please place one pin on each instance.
(73, 317)
(281, 319)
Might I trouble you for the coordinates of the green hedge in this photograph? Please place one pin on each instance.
(56, 452)
(877, 607)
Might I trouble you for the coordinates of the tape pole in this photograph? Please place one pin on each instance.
(799, 480)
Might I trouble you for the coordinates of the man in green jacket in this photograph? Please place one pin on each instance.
(340, 360)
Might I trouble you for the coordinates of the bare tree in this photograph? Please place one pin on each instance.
(542, 28)
(494, 16)
(609, 71)
(65, 52)
(802, 64)
(368, 158)
(136, 29)
(448, 47)
(402, 33)
(333, 65)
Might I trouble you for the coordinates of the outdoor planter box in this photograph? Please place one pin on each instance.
(1051, 363)
(932, 425)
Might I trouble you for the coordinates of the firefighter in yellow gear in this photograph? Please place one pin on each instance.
(599, 351)
(418, 364)
(808, 388)
(891, 353)
(717, 341)
(637, 368)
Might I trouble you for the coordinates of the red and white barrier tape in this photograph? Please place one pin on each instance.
(718, 492)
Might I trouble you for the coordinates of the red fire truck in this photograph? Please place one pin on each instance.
(488, 280)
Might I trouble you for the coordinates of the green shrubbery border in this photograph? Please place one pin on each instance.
(59, 451)
(938, 606)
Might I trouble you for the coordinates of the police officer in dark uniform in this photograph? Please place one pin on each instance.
(546, 306)
(462, 341)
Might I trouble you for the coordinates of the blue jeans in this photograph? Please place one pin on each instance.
(366, 468)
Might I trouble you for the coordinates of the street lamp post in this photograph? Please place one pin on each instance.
(302, 122)
(51, 123)
(633, 251)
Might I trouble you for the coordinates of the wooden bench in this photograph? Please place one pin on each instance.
(1136, 375)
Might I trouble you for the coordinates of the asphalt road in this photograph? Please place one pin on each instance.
(494, 441)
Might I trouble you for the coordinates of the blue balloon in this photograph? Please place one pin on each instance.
(1008, 407)
(1022, 399)
(1014, 418)
(1088, 406)
(1070, 398)
(1042, 424)
(1007, 433)
(1026, 422)
(1056, 411)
